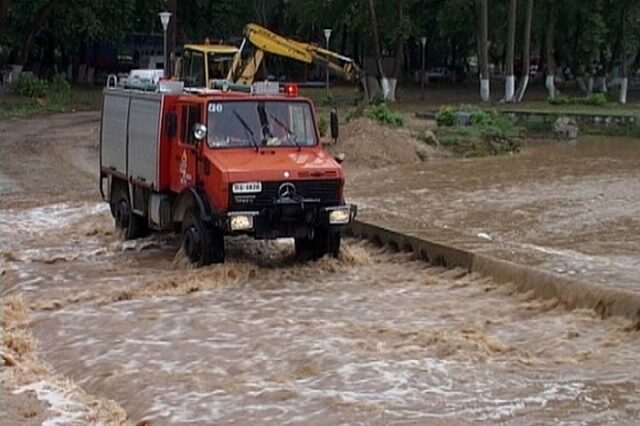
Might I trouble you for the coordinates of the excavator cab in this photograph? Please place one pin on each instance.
(202, 63)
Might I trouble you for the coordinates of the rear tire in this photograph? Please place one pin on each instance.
(132, 225)
(202, 244)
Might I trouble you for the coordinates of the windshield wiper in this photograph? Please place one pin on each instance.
(293, 136)
(246, 128)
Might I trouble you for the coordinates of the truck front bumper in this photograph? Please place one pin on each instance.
(289, 219)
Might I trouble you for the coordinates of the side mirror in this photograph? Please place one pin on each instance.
(335, 126)
(199, 131)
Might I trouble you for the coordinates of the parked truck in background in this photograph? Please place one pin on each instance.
(212, 163)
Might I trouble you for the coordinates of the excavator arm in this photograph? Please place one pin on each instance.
(265, 41)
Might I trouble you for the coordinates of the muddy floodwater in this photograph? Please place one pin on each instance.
(374, 337)
(570, 208)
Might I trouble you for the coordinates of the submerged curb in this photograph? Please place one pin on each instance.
(572, 293)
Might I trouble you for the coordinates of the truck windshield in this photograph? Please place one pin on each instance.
(260, 123)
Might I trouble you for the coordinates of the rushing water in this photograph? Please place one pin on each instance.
(570, 208)
(375, 337)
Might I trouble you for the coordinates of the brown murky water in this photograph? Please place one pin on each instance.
(570, 208)
(374, 337)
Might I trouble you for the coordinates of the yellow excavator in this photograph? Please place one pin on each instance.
(203, 64)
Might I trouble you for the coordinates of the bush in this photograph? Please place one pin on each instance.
(561, 100)
(598, 99)
(59, 91)
(480, 117)
(323, 126)
(383, 115)
(447, 116)
(353, 114)
(30, 86)
(60, 85)
(327, 99)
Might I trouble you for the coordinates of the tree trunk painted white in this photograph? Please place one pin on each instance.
(624, 87)
(510, 88)
(550, 84)
(483, 54)
(526, 61)
(485, 90)
(590, 84)
(603, 85)
(391, 95)
(525, 83)
(386, 87)
(582, 85)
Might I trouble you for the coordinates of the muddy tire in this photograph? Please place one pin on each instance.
(131, 225)
(323, 242)
(202, 244)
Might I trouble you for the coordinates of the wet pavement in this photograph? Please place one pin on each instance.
(568, 208)
(375, 337)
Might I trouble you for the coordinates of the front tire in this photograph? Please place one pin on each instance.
(324, 241)
(202, 244)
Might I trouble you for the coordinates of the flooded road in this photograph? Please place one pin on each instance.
(375, 337)
(570, 209)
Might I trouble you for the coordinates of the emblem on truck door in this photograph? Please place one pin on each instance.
(185, 176)
(287, 190)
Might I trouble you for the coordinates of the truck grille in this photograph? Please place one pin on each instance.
(327, 191)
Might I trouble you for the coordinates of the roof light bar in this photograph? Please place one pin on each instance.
(291, 90)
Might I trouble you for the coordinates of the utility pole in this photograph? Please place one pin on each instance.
(165, 17)
(327, 36)
(423, 41)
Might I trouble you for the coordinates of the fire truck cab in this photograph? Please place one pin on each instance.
(211, 163)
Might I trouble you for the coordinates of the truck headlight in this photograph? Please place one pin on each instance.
(241, 222)
(246, 187)
(340, 216)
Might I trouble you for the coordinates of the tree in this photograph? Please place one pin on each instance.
(624, 84)
(511, 36)
(526, 52)
(38, 25)
(384, 81)
(483, 50)
(549, 49)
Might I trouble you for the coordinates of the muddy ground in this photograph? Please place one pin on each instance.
(100, 330)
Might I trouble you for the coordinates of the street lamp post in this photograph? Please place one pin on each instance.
(165, 17)
(327, 36)
(423, 41)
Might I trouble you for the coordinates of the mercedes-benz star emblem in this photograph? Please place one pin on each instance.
(287, 190)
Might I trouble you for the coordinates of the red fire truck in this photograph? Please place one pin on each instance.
(209, 163)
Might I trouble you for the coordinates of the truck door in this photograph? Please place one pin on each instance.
(184, 149)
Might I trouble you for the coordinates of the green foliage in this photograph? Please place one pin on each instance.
(78, 99)
(447, 116)
(353, 114)
(327, 99)
(490, 132)
(59, 91)
(480, 117)
(598, 99)
(60, 85)
(383, 115)
(323, 126)
(30, 86)
(470, 141)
